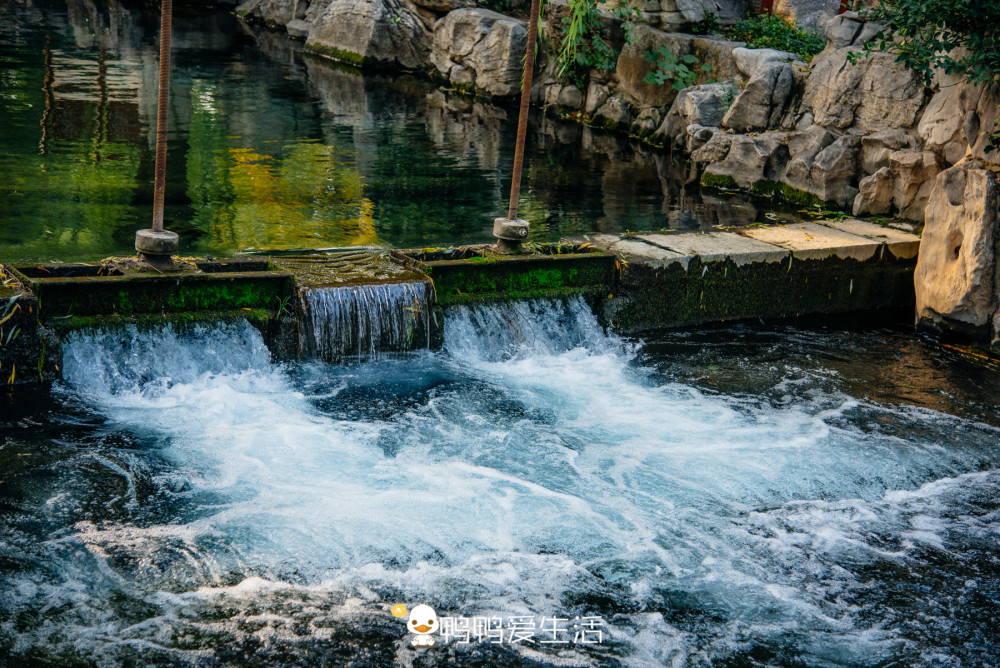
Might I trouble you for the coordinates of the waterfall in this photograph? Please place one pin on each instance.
(362, 321)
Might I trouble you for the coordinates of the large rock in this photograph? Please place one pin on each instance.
(877, 147)
(956, 269)
(952, 109)
(482, 47)
(902, 186)
(751, 61)
(830, 174)
(750, 159)
(276, 12)
(806, 13)
(632, 66)
(366, 32)
(876, 94)
(698, 105)
(760, 105)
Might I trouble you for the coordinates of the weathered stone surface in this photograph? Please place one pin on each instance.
(364, 31)
(703, 105)
(874, 194)
(489, 46)
(597, 95)
(718, 246)
(760, 105)
(876, 148)
(809, 241)
(639, 251)
(808, 14)
(901, 244)
(903, 186)
(750, 61)
(276, 12)
(697, 136)
(955, 274)
(914, 175)
(806, 144)
(751, 159)
(614, 112)
(715, 149)
(830, 174)
(876, 94)
(941, 127)
(842, 30)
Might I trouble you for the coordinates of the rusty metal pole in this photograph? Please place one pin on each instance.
(156, 245)
(511, 231)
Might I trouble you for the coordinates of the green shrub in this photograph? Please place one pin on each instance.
(581, 46)
(773, 32)
(708, 25)
(670, 67)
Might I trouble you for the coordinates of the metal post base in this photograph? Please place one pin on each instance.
(509, 234)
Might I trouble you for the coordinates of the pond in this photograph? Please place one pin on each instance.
(270, 149)
(755, 495)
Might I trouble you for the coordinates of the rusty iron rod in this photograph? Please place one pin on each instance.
(160, 182)
(522, 119)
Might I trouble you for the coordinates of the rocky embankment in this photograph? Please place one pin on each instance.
(846, 130)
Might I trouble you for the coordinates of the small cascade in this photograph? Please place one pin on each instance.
(362, 321)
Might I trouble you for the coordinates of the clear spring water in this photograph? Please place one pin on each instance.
(270, 149)
(726, 497)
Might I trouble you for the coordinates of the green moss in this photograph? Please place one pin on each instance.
(339, 55)
(710, 180)
(786, 193)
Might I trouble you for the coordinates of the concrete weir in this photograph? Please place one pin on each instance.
(341, 303)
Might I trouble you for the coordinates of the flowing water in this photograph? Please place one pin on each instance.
(746, 496)
(358, 321)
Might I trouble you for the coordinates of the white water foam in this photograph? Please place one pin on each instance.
(541, 471)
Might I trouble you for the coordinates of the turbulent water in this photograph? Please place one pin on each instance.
(199, 504)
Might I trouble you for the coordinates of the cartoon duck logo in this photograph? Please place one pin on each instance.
(423, 622)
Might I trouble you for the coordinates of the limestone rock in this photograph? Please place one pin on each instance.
(874, 194)
(489, 46)
(843, 30)
(955, 273)
(715, 149)
(381, 31)
(808, 14)
(877, 147)
(876, 94)
(614, 112)
(941, 127)
(830, 174)
(276, 12)
(750, 159)
(597, 95)
(700, 105)
(760, 105)
(914, 175)
(751, 61)
(697, 136)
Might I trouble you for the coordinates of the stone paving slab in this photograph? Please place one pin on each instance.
(903, 245)
(718, 246)
(811, 241)
(638, 250)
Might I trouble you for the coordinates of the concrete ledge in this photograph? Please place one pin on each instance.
(810, 241)
(718, 246)
(901, 244)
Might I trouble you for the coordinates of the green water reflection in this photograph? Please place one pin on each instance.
(269, 149)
